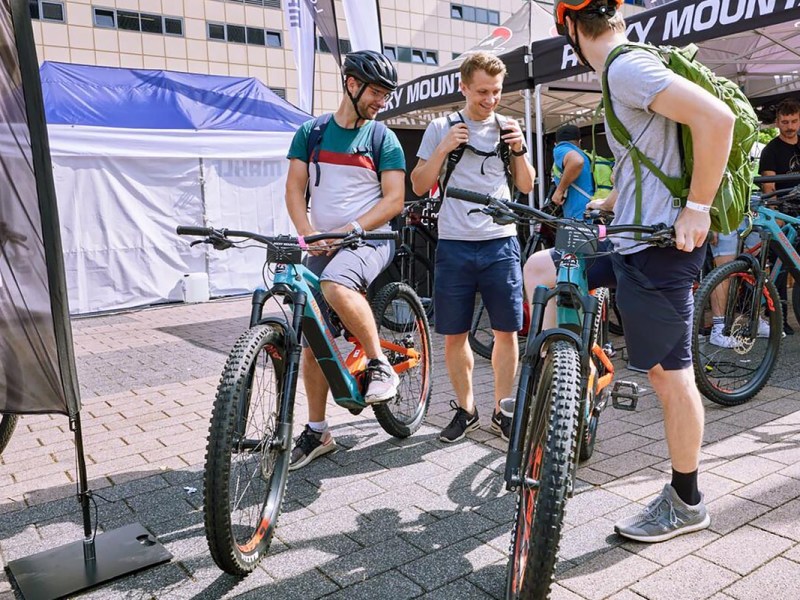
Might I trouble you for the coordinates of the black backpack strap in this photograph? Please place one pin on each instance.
(504, 150)
(314, 142)
(452, 159)
(378, 135)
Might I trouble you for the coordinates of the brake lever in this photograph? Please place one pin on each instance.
(219, 241)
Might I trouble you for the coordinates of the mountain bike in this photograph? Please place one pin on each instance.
(743, 292)
(250, 434)
(565, 382)
(481, 336)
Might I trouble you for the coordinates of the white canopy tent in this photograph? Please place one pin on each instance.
(136, 153)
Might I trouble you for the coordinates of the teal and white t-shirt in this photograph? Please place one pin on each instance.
(348, 183)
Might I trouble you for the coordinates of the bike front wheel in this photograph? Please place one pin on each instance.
(549, 447)
(731, 368)
(247, 457)
(405, 339)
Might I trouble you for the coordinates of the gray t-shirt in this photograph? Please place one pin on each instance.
(634, 80)
(476, 173)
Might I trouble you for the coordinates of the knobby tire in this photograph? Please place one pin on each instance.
(402, 320)
(549, 447)
(240, 513)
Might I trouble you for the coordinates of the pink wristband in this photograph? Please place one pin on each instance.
(601, 232)
(301, 241)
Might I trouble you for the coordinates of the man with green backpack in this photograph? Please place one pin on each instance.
(671, 138)
(578, 177)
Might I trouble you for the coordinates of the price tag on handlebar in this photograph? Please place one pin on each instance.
(577, 238)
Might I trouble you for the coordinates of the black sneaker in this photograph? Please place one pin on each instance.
(309, 445)
(788, 329)
(501, 424)
(462, 423)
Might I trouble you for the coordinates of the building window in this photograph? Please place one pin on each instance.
(239, 34)
(635, 2)
(105, 18)
(173, 26)
(431, 57)
(133, 21)
(47, 11)
(235, 34)
(455, 55)
(479, 15)
(280, 92)
(411, 55)
(390, 52)
(417, 56)
(216, 31)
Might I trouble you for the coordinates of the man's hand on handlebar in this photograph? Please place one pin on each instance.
(691, 229)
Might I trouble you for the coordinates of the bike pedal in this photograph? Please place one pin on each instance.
(625, 395)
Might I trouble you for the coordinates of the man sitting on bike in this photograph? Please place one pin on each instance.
(351, 196)
(654, 285)
(473, 253)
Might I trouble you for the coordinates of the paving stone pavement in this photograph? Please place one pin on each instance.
(384, 518)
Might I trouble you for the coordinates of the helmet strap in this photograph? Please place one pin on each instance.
(575, 43)
(355, 100)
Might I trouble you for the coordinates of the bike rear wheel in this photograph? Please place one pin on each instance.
(403, 323)
(247, 459)
(481, 336)
(7, 425)
(733, 375)
(549, 447)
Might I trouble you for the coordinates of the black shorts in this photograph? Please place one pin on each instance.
(655, 296)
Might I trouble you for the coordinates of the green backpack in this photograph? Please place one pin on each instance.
(733, 197)
(601, 169)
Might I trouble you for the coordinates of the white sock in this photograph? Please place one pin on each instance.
(318, 426)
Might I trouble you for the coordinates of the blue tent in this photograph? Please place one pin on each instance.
(137, 152)
(148, 99)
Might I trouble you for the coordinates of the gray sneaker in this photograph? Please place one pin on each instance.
(664, 518)
(382, 382)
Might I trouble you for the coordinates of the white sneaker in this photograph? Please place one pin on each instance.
(763, 327)
(382, 382)
(718, 339)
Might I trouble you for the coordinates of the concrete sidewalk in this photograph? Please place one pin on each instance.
(383, 518)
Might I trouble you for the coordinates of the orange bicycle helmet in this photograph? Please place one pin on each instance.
(560, 8)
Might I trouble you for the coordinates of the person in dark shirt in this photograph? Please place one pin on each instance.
(781, 156)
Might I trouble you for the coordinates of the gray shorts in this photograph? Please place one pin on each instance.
(354, 268)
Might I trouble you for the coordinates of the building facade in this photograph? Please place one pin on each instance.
(247, 38)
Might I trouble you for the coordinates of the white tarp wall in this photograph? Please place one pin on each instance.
(122, 193)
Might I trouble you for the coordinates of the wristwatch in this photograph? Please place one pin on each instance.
(522, 151)
(357, 228)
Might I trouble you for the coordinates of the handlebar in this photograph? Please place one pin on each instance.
(793, 193)
(509, 209)
(299, 240)
(776, 178)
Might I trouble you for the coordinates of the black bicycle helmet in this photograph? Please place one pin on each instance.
(369, 66)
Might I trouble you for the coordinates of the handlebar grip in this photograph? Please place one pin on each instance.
(192, 230)
(381, 235)
(461, 194)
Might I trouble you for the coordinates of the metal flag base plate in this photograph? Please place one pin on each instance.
(62, 571)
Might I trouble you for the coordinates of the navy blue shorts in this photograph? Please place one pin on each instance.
(655, 296)
(490, 267)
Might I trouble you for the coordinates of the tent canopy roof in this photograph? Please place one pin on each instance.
(150, 99)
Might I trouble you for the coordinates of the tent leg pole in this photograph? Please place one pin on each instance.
(89, 553)
(540, 144)
(528, 133)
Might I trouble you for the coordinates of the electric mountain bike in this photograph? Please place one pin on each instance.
(565, 382)
(743, 292)
(250, 434)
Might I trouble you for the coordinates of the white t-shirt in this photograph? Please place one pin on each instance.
(484, 175)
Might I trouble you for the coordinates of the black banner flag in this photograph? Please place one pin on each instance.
(37, 372)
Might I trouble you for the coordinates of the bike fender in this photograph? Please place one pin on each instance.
(291, 337)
